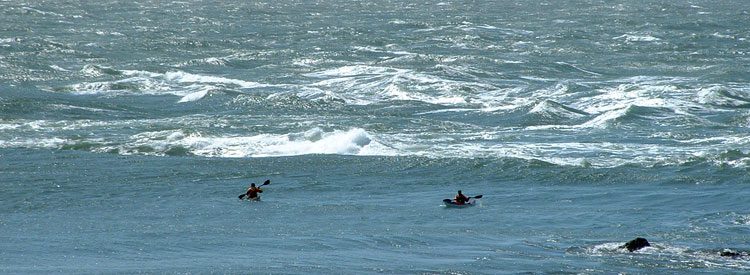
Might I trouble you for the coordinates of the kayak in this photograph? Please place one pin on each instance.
(254, 199)
(452, 204)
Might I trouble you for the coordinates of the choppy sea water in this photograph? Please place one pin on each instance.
(128, 128)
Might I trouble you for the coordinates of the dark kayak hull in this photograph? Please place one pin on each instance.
(453, 204)
(254, 199)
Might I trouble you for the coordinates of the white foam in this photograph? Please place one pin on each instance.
(363, 84)
(93, 70)
(551, 108)
(725, 36)
(658, 249)
(58, 68)
(183, 77)
(107, 33)
(724, 96)
(464, 141)
(671, 254)
(603, 120)
(307, 62)
(315, 141)
(51, 142)
(42, 12)
(611, 103)
(355, 70)
(482, 144)
(9, 40)
(141, 73)
(605, 248)
(190, 87)
(578, 68)
(194, 96)
(741, 219)
(71, 107)
(637, 38)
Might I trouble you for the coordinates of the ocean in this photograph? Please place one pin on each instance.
(129, 128)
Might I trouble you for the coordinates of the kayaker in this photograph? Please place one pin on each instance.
(252, 192)
(460, 198)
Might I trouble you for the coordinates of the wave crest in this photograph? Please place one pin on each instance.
(314, 141)
(724, 97)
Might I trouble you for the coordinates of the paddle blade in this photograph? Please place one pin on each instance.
(447, 200)
(241, 196)
(267, 182)
(478, 197)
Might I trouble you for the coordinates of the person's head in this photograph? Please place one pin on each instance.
(252, 184)
(459, 192)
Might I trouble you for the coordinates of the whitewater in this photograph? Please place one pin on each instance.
(128, 128)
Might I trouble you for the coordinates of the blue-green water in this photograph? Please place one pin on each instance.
(128, 128)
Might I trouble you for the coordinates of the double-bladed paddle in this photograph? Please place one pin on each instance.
(267, 182)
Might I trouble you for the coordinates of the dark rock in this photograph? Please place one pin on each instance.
(729, 253)
(636, 244)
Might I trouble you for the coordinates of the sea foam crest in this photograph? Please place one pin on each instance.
(646, 98)
(194, 96)
(95, 70)
(183, 77)
(549, 108)
(314, 141)
(723, 96)
(190, 87)
(363, 84)
(637, 38)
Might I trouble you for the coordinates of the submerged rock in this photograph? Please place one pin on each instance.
(733, 254)
(636, 244)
